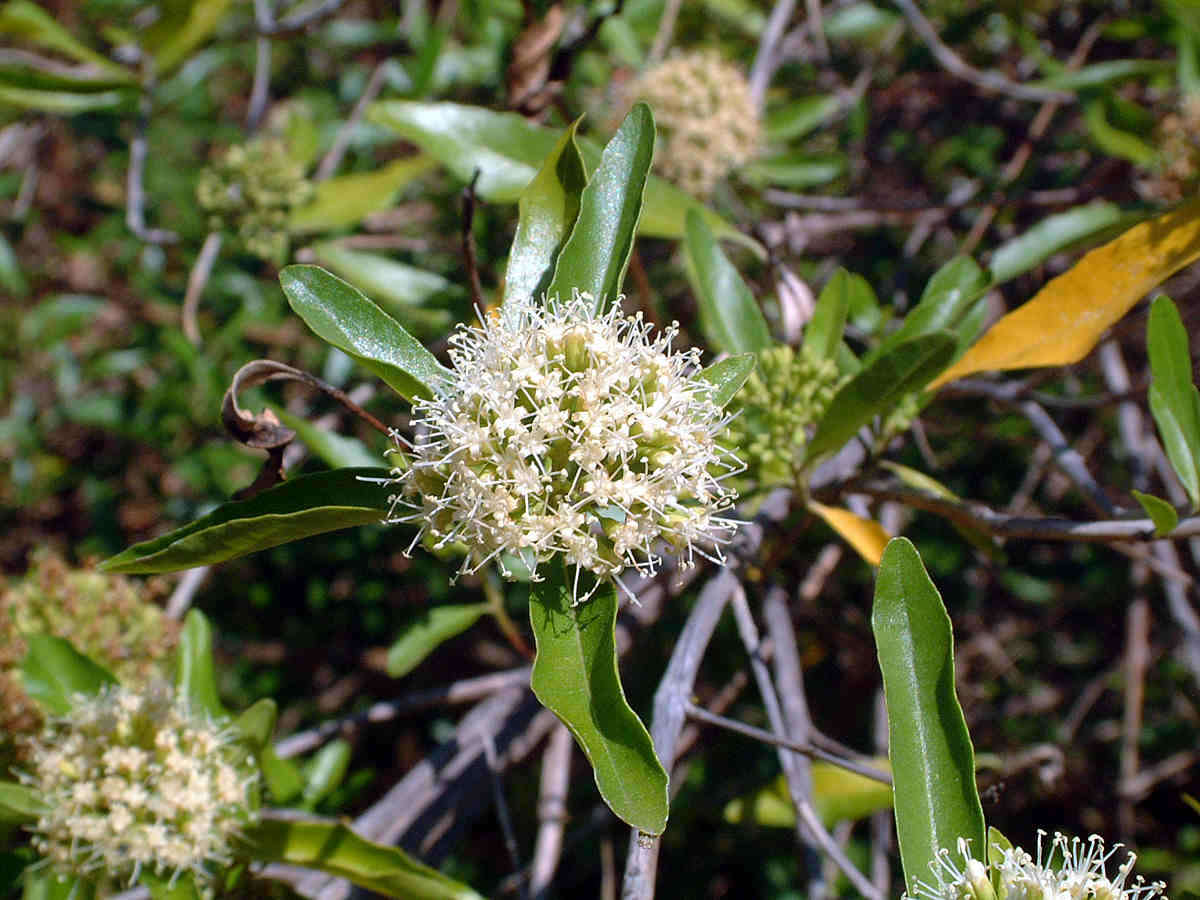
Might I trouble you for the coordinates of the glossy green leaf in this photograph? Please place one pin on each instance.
(335, 450)
(508, 150)
(1049, 236)
(334, 849)
(953, 291)
(547, 210)
(729, 316)
(596, 254)
(62, 103)
(298, 508)
(341, 315)
(326, 771)
(728, 376)
(1174, 400)
(906, 368)
(345, 200)
(823, 333)
(202, 20)
(429, 631)
(256, 724)
(800, 116)
(389, 281)
(19, 804)
(797, 170)
(36, 25)
(195, 677)
(933, 762)
(1164, 516)
(53, 673)
(575, 677)
(282, 777)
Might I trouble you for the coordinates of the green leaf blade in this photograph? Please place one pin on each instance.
(195, 677)
(933, 762)
(596, 254)
(730, 317)
(298, 508)
(823, 333)
(575, 677)
(429, 631)
(727, 377)
(54, 673)
(341, 315)
(1164, 516)
(1173, 395)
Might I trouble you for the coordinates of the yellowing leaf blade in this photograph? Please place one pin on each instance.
(866, 536)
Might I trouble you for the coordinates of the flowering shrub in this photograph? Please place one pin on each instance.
(567, 431)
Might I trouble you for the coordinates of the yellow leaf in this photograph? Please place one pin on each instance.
(1067, 317)
(865, 535)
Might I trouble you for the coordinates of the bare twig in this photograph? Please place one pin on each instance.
(765, 59)
(502, 813)
(551, 811)
(260, 93)
(181, 598)
(197, 281)
(135, 200)
(665, 33)
(881, 822)
(1137, 659)
(955, 65)
(468, 241)
(267, 25)
(333, 157)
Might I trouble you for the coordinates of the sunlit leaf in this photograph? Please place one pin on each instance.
(823, 333)
(1174, 400)
(1164, 516)
(195, 677)
(345, 200)
(1049, 236)
(1067, 317)
(729, 315)
(866, 536)
(728, 376)
(202, 20)
(19, 804)
(335, 450)
(933, 763)
(326, 771)
(427, 632)
(54, 673)
(575, 676)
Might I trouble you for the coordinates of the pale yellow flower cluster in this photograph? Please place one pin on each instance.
(707, 119)
(1176, 173)
(1080, 873)
(566, 431)
(133, 780)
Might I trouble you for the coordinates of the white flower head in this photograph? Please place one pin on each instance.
(135, 780)
(1073, 869)
(569, 431)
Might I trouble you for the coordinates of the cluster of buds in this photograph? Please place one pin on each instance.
(250, 190)
(788, 391)
(568, 431)
(1081, 873)
(707, 119)
(109, 618)
(135, 780)
(1175, 175)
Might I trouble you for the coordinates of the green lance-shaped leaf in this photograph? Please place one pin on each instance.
(547, 211)
(345, 200)
(334, 849)
(933, 763)
(177, 42)
(823, 333)
(282, 777)
(575, 677)
(1164, 516)
(341, 314)
(54, 673)
(63, 103)
(396, 285)
(298, 508)
(256, 724)
(195, 677)
(731, 319)
(907, 367)
(164, 887)
(30, 21)
(727, 377)
(48, 885)
(948, 299)
(429, 631)
(1051, 235)
(1174, 400)
(335, 450)
(19, 804)
(596, 255)
(326, 771)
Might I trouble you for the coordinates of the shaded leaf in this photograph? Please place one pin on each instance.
(575, 677)
(298, 508)
(866, 536)
(1103, 73)
(1174, 400)
(341, 315)
(282, 776)
(195, 677)
(547, 210)
(345, 200)
(202, 20)
(1112, 140)
(1161, 513)
(326, 771)
(729, 315)
(800, 116)
(933, 763)
(24, 19)
(596, 254)
(256, 724)
(164, 887)
(12, 279)
(823, 333)
(62, 103)
(878, 386)
(19, 804)
(952, 293)
(1067, 317)
(53, 673)
(797, 170)
(728, 376)
(427, 632)
(335, 450)
(1049, 236)
(334, 849)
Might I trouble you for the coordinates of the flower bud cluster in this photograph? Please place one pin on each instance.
(134, 780)
(1081, 873)
(1176, 173)
(251, 190)
(788, 391)
(567, 431)
(707, 119)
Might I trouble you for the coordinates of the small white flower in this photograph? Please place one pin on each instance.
(123, 795)
(567, 431)
(1080, 873)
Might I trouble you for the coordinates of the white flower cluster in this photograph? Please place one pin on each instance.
(132, 781)
(567, 431)
(1080, 874)
(707, 119)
